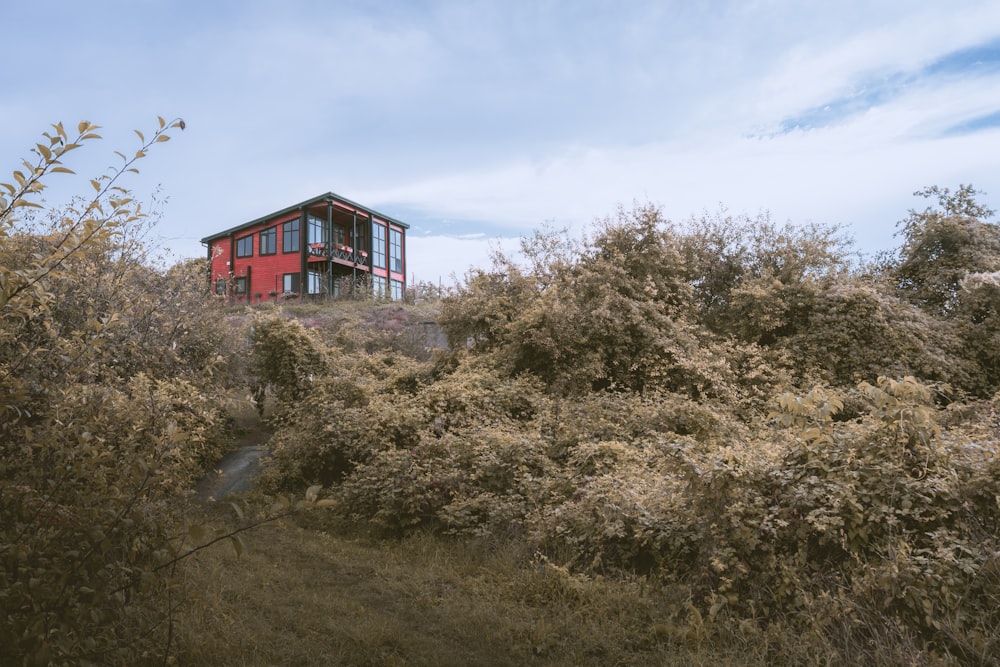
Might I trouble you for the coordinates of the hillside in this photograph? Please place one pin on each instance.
(720, 440)
(771, 451)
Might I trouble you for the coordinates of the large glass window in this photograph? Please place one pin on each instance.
(395, 250)
(318, 232)
(244, 246)
(290, 236)
(315, 282)
(290, 283)
(378, 287)
(240, 285)
(361, 240)
(340, 237)
(397, 289)
(269, 241)
(378, 246)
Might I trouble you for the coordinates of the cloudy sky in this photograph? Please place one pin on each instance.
(478, 121)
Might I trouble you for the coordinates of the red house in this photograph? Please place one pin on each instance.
(327, 246)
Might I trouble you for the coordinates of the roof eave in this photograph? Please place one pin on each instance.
(328, 196)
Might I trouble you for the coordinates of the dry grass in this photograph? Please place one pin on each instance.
(304, 596)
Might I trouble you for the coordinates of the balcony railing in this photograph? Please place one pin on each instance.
(338, 251)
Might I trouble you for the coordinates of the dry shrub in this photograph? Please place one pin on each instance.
(109, 369)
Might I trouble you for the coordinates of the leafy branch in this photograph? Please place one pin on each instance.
(104, 186)
(282, 508)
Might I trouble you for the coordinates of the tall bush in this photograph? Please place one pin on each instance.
(105, 415)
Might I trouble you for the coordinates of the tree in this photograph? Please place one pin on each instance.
(755, 280)
(942, 245)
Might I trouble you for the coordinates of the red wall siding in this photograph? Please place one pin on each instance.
(265, 271)
(219, 251)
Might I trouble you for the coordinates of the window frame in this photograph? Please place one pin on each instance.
(241, 249)
(317, 223)
(240, 285)
(340, 237)
(395, 250)
(291, 283)
(267, 242)
(291, 235)
(378, 246)
(314, 282)
(361, 239)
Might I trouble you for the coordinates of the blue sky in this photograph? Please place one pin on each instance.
(477, 122)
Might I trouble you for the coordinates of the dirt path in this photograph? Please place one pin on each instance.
(235, 472)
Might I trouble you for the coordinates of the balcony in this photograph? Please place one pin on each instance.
(344, 253)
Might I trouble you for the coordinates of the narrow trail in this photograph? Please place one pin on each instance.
(236, 471)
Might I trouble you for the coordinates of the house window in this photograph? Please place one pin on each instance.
(340, 236)
(315, 282)
(361, 240)
(244, 246)
(378, 287)
(269, 241)
(220, 285)
(396, 250)
(397, 289)
(378, 246)
(290, 283)
(317, 231)
(290, 236)
(240, 285)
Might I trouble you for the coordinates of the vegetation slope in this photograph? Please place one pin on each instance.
(742, 437)
(784, 438)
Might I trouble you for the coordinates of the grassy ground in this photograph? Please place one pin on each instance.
(308, 592)
(303, 595)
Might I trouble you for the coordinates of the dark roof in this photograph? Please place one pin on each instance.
(305, 204)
